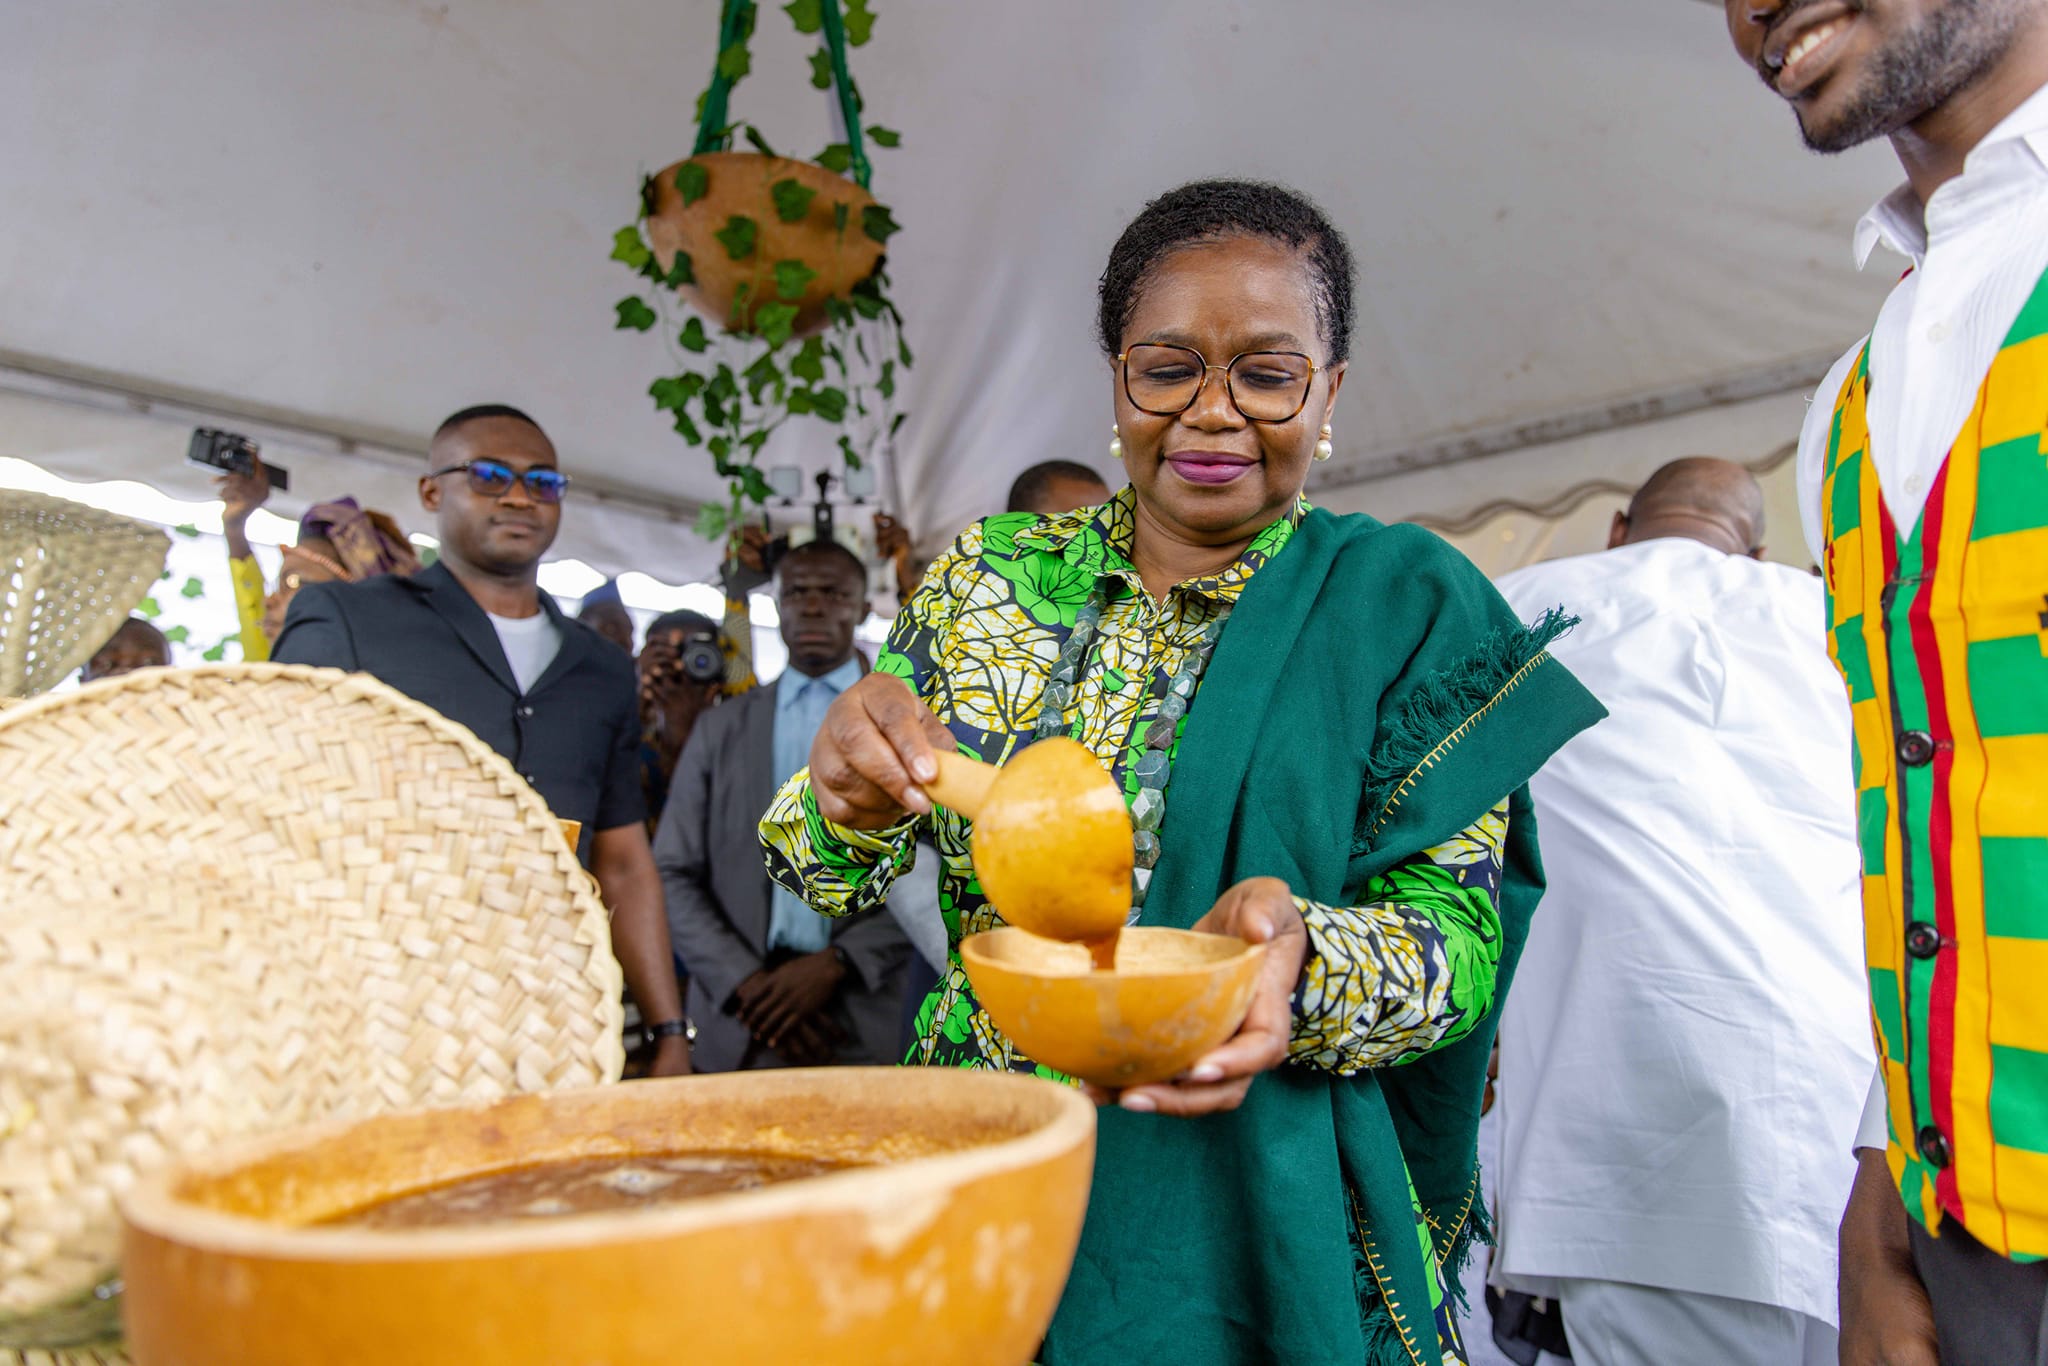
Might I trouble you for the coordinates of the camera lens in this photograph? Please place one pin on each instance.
(702, 661)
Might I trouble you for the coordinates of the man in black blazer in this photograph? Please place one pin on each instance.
(474, 638)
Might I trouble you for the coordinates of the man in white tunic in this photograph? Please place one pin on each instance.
(1686, 1052)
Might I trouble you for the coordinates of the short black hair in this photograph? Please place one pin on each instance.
(590, 605)
(479, 411)
(828, 548)
(1210, 211)
(684, 620)
(145, 625)
(1034, 482)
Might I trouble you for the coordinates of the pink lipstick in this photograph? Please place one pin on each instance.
(1208, 467)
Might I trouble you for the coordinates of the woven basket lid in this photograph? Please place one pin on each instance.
(246, 896)
(69, 575)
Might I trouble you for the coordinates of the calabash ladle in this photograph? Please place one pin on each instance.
(1051, 843)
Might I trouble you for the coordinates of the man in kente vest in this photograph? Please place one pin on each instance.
(1924, 484)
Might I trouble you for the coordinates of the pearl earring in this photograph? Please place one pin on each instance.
(1116, 443)
(1324, 450)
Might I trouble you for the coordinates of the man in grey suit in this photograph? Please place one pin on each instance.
(772, 982)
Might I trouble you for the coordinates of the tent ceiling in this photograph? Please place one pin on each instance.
(366, 214)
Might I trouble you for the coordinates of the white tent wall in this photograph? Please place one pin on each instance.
(358, 217)
(90, 435)
(1542, 502)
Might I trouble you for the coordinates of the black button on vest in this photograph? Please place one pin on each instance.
(1916, 748)
(1934, 1147)
(1922, 939)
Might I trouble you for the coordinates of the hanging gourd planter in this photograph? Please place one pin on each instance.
(799, 211)
(779, 266)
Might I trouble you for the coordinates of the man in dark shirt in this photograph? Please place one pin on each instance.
(474, 638)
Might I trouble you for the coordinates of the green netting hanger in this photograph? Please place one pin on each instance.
(736, 24)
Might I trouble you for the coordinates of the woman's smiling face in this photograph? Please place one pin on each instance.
(1209, 474)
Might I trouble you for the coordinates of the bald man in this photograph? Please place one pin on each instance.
(1686, 1052)
(1714, 502)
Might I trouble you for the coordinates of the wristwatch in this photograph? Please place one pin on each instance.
(669, 1029)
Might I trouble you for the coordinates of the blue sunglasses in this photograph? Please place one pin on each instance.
(495, 478)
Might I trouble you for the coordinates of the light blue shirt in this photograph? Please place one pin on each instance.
(800, 706)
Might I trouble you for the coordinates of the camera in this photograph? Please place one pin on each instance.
(700, 660)
(823, 524)
(233, 454)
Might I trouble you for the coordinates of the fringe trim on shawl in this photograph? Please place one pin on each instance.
(1476, 1232)
(1384, 1345)
(1383, 1342)
(1444, 702)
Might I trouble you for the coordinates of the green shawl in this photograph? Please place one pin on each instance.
(1371, 697)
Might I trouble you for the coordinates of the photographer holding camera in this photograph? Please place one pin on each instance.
(685, 668)
(339, 542)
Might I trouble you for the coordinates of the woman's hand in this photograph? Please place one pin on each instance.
(1258, 910)
(240, 496)
(873, 751)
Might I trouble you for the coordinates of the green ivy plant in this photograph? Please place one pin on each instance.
(732, 386)
(149, 609)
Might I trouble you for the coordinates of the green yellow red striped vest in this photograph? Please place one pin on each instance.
(1942, 638)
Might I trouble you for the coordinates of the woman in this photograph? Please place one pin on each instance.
(1347, 765)
(337, 541)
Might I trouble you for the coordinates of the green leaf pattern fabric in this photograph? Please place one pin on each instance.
(1411, 970)
(1387, 981)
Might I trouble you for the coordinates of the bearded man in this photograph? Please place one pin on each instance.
(1925, 496)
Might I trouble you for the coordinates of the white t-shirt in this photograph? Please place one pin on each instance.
(530, 645)
(1686, 1051)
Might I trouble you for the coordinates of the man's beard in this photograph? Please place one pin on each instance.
(1921, 70)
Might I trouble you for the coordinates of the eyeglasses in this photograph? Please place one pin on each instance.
(495, 478)
(1265, 386)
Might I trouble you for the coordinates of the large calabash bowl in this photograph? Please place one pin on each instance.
(954, 1249)
(1174, 995)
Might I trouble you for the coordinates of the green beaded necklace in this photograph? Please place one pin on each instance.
(1174, 695)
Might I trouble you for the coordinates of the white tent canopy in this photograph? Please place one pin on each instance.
(1589, 240)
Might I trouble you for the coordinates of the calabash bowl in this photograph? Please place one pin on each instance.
(826, 237)
(1173, 996)
(954, 1247)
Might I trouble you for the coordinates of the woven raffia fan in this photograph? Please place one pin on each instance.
(69, 574)
(241, 897)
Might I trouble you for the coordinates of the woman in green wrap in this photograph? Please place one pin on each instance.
(1324, 727)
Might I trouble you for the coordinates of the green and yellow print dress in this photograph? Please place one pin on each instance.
(1409, 971)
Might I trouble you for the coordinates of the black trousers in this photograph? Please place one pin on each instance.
(1988, 1310)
